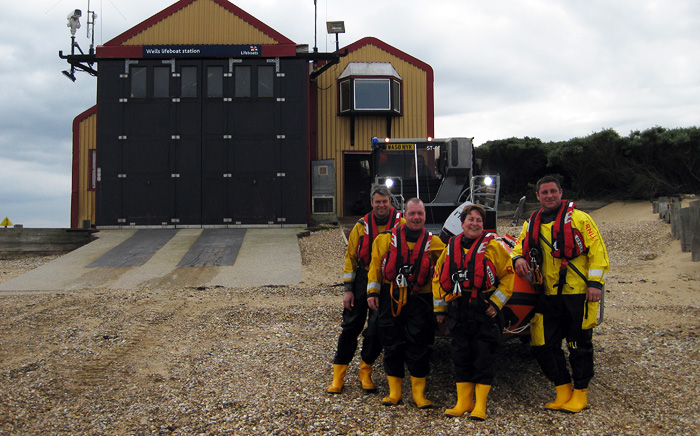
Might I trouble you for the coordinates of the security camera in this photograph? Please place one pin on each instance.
(74, 21)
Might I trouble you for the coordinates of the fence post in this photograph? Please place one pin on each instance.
(695, 229)
(663, 207)
(674, 218)
(686, 231)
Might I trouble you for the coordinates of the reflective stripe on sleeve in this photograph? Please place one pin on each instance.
(349, 277)
(374, 286)
(439, 303)
(500, 296)
(595, 273)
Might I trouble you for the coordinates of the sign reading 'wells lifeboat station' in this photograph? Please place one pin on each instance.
(176, 51)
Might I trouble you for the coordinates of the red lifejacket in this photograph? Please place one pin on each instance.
(364, 243)
(567, 242)
(415, 265)
(477, 272)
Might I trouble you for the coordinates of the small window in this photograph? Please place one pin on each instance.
(215, 81)
(242, 82)
(396, 96)
(188, 87)
(266, 82)
(92, 163)
(345, 100)
(161, 82)
(138, 82)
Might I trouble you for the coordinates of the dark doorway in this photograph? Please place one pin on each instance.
(357, 183)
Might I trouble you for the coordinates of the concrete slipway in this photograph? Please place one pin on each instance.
(172, 258)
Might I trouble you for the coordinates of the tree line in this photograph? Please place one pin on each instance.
(604, 165)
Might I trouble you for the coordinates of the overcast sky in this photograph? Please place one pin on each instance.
(548, 69)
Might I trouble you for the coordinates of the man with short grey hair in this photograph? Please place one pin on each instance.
(357, 259)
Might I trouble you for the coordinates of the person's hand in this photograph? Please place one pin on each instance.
(349, 300)
(440, 317)
(491, 311)
(373, 303)
(594, 294)
(521, 267)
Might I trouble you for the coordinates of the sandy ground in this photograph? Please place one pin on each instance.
(257, 360)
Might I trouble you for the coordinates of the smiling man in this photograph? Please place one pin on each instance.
(561, 250)
(399, 288)
(382, 218)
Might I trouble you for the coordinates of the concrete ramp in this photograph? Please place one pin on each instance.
(171, 258)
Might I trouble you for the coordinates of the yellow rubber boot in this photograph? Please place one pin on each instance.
(465, 400)
(418, 389)
(479, 412)
(338, 379)
(366, 377)
(563, 395)
(578, 401)
(394, 397)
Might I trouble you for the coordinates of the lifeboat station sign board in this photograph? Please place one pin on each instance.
(197, 51)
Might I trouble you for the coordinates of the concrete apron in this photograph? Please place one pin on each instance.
(171, 258)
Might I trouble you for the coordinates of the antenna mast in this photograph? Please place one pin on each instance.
(91, 16)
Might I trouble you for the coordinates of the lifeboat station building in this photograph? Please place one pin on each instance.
(207, 117)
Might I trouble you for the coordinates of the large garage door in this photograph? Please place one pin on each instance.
(202, 142)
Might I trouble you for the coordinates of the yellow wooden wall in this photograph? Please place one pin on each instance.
(201, 22)
(87, 140)
(334, 130)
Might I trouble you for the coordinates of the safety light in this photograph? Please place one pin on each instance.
(389, 183)
(387, 140)
(488, 181)
(430, 139)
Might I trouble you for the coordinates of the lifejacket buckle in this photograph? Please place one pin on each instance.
(406, 270)
(460, 276)
(401, 280)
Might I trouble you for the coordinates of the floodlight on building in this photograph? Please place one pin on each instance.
(335, 27)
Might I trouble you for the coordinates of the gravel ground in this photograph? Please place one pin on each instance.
(258, 360)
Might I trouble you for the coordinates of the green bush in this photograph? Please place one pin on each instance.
(644, 165)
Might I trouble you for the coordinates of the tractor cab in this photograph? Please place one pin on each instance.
(438, 171)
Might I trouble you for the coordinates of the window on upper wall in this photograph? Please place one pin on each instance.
(139, 76)
(161, 82)
(215, 81)
(188, 82)
(372, 94)
(266, 82)
(369, 88)
(242, 82)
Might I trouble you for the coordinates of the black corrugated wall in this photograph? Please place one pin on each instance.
(204, 149)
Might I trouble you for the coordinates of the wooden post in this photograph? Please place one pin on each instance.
(695, 228)
(686, 231)
(663, 207)
(655, 206)
(675, 219)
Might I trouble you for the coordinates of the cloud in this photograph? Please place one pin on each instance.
(539, 68)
